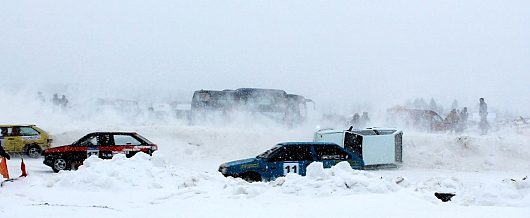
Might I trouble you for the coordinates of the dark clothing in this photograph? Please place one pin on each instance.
(483, 110)
(364, 120)
(3, 153)
(355, 121)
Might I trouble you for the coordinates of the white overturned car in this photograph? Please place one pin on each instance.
(378, 147)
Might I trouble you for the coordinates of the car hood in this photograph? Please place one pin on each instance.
(64, 148)
(241, 162)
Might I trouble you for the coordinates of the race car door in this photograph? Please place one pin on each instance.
(99, 145)
(125, 144)
(91, 146)
(290, 159)
(330, 155)
(12, 141)
(106, 146)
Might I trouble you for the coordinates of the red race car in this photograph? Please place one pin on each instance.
(102, 144)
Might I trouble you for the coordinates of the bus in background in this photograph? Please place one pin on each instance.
(271, 104)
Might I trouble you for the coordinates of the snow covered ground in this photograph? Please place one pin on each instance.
(487, 173)
(124, 64)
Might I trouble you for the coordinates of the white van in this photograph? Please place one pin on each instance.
(378, 147)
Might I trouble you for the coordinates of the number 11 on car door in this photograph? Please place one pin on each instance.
(291, 168)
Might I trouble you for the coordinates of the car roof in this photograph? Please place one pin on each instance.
(331, 131)
(305, 143)
(115, 132)
(7, 125)
(366, 131)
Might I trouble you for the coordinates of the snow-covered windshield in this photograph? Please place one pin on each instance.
(267, 153)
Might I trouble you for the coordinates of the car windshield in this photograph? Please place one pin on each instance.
(84, 139)
(365, 132)
(76, 142)
(267, 153)
(144, 139)
(384, 132)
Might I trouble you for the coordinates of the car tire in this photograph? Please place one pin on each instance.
(251, 177)
(33, 151)
(59, 164)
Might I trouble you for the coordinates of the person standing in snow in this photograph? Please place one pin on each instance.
(364, 120)
(483, 112)
(3, 153)
(64, 102)
(355, 120)
(41, 97)
(55, 100)
(452, 119)
(464, 115)
(3, 134)
(483, 109)
(3, 156)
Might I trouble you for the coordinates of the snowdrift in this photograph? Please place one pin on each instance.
(143, 173)
(466, 152)
(482, 171)
(146, 172)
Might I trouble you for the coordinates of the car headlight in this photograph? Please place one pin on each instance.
(223, 168)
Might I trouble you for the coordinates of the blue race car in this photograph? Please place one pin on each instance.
(289, 157)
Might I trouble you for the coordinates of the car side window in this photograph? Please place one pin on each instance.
(104, 140)
(330, 153)
(354, 142)
(5, 131)
(28, 131)
(125, 140)
(292, 153)
(89, 141)
(12, 131)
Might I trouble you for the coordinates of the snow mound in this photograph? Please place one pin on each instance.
(466, 152)
(440, 184)
(164, 181)
(340, 179)
(154, 173)
(121, 173)
(507, 192)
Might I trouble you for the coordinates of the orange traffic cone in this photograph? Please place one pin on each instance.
(23, 168)
(3, 168)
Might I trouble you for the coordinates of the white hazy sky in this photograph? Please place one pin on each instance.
(359, 50)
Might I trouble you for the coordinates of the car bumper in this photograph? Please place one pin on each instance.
(48, 161)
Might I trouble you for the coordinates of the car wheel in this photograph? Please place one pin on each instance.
(251, 177)
(59, 164)
(33, 151)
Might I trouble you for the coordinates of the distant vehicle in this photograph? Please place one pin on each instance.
(426, 120)
(182, 110)
(274, 104)
(289, 157)
(102, 144)
(377, 147)
(28, 139)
